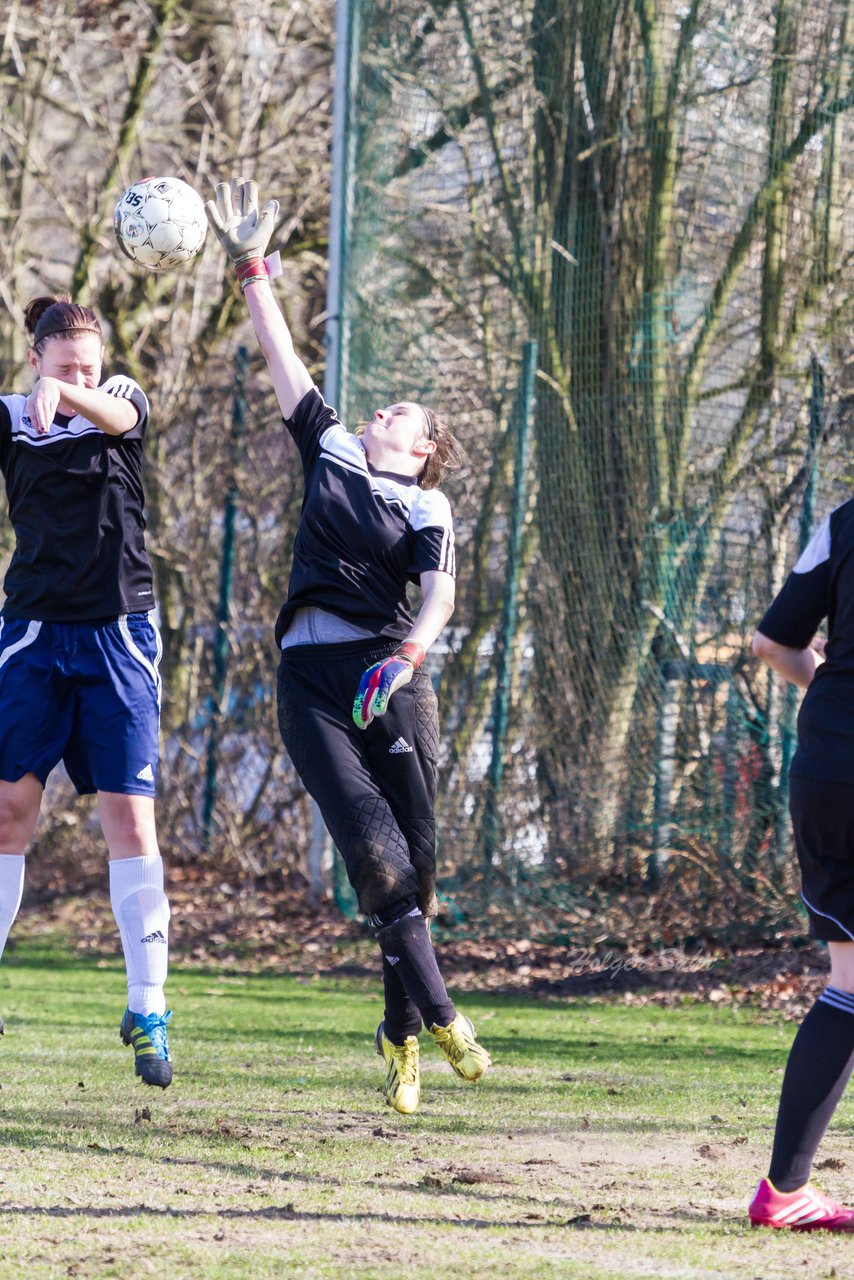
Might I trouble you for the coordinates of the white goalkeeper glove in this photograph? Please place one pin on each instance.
(241, 229)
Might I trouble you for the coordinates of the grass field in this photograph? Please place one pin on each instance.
(608, 1141)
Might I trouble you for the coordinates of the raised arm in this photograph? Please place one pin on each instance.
(291, 379)
(244, 233)
(113, 415)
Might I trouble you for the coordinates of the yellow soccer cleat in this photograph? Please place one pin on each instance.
(402, 1086)
(458, 1043)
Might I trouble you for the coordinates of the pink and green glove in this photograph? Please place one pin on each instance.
(380, 681)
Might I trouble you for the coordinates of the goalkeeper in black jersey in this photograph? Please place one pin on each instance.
(79, 652)
(821, 799)
(356, 711)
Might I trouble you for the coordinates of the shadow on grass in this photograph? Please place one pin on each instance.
(381, 1132)
(239, 1170)
(615, 1052)
(288, 1213)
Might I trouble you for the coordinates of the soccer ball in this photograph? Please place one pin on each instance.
(160, 223)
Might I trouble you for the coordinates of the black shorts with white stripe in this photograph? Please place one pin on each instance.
(823, 821)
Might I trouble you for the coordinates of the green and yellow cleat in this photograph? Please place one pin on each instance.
(458, 1043)
(147, 1034)
(402, 1086)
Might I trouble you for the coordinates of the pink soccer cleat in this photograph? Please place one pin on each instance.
(802, 1210)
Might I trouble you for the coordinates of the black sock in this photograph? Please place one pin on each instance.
(820, 1062)
(407, 948)
(401, 1018)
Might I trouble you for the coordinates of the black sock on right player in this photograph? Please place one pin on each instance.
(401, 1017)
(407, 948)
(820, 1062)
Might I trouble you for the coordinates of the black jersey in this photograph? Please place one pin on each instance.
(821, 585)
(363, 533)
(76, 505)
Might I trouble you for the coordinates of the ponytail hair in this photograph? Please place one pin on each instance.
(447, 456)
(58, 317)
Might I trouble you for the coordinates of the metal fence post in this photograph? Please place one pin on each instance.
(505, 641)
(226, 578)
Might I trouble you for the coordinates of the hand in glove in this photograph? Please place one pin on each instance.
(241, 229)
(380, 681)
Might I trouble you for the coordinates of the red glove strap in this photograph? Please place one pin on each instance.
(412, 652)
(251, 269)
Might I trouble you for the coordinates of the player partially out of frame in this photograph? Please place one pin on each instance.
(357, 712)
(821, 792)
(79, 652)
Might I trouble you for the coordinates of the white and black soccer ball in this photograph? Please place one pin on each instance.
(160, 223)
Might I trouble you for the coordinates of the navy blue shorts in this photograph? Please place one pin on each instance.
(83, 693)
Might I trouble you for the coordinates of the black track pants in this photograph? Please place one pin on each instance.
(375, 787)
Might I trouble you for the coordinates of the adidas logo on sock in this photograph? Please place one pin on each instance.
(397, 748)
(157, 936)
(146, 774)
(393, 960)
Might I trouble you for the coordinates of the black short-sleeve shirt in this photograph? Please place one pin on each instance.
(363, 534)
(76, 505)
(820, 586)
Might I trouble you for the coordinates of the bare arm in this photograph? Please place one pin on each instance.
(798, 666)
(244, 232)
(291, 379)
(438, 591)
(111, 414)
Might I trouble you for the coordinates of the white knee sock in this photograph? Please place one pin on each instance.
(142, 913)
(11, 892)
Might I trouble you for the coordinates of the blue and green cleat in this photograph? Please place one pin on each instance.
(147, 1034)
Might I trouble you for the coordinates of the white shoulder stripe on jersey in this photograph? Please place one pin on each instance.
(338, 442)
(389, 499)
(29, 636)
(123, 387)
(57, 433)
(346, 463)
(431, 509)
(446, 549)
(817, 549)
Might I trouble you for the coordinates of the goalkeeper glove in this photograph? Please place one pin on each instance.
(242, 231)
(380, 681)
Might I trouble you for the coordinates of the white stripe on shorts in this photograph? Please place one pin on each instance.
(825, 915)
(135, 652)
(26, 639)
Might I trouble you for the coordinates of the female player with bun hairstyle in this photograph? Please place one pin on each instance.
(79, 653)
(821, 801)
(357, 712)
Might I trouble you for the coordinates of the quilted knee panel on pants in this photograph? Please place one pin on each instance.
(420, 835)
(376, 855)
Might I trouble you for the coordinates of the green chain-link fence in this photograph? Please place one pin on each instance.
(655, 198)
